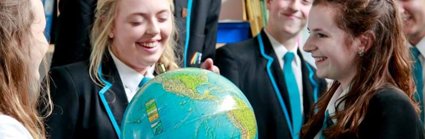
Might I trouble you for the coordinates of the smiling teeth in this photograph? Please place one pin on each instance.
(150, 44)
(320, 58)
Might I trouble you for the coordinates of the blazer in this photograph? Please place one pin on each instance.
(78, 110)
(77, 16)
(255, 69)
(202, 31)
(389, 116)
(73, 28)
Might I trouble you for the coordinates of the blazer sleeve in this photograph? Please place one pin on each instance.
(391, 116)
(61, 124)
(211, 29)
(228, 64)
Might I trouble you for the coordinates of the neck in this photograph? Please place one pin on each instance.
(140, 69)
(345, 83)
(415, 39)
(289, 41)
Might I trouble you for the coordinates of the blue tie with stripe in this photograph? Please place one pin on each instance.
(294, 95)
(417, 70)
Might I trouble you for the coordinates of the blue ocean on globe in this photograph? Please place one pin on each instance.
(189, 103)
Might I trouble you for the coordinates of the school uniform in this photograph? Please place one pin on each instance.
(253, 66)
(389, 116)
(200, 43)
(79, 108)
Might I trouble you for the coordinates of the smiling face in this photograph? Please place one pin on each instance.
(141, 31)
(334, 55)
(287, 17)
(413, 13)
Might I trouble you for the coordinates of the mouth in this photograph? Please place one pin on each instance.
(148, 44)
(291, 16)
(319, 59)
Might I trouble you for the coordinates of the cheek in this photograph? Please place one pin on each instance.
(166, 30)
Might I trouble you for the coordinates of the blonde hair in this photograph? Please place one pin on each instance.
(18, 98)
(105, 15)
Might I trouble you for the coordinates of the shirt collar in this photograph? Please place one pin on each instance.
(280, 50)
(130, 77)
(421, 47)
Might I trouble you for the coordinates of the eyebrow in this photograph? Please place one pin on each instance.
(145, 14)
(315, 29)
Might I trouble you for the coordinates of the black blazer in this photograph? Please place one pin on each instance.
(256, 71)
(74, 23)
(389, 116)
(78, 111)
(77, 16)
(203, 28)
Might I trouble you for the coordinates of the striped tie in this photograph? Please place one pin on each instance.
(294, 95)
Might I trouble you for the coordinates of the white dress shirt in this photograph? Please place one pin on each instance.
(129, 77)
(280, 51)
(331, 108)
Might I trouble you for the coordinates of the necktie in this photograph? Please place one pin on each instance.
(294, 95)
(417, 70)
(143, 81)
(327, 122)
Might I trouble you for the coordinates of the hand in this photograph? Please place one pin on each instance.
(208, 64)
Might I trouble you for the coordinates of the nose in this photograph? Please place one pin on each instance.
(309, 46)
(153, 28)
(294, 6)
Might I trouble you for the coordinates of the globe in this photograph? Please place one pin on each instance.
(189, 103)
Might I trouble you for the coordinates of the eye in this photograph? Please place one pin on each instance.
(307, 2)
(321, 35)
(135, 23)
(163, 17)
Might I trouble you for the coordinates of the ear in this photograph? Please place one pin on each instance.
(111, 35)
(366, 40)
(268, 4)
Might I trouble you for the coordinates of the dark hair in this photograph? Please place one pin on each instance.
(388, 51)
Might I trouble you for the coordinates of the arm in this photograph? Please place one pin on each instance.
(391, 116)
(228, 64)
(61, 124)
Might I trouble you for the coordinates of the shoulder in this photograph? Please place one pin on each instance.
(392, 102)
(390, 95)
(78, 69)
(246, 47)
(10, 128)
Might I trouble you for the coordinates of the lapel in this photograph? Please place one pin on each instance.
(276, 70)
(275, 75)
(279, 77)
(115, 94)
(308, 97)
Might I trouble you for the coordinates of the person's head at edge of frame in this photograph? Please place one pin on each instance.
(138, 32)
(359, 44)
(286, 20)
(23, 46)
(413, 15)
